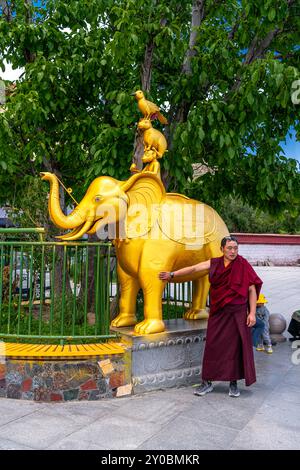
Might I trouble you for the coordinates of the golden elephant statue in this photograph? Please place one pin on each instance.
(153, 231)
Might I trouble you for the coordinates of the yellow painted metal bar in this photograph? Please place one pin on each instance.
(55, 351)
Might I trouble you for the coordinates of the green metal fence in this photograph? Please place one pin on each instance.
(53, 290)
(177, 298)
(62, 291)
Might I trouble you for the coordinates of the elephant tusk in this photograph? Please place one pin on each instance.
(78, 232)
(72, 233)
(95, 227)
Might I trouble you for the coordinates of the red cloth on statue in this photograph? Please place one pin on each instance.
(231, 284)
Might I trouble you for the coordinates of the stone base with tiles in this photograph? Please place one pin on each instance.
(136, 364)
(65, 380)
(169, 359)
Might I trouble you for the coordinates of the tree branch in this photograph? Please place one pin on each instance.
(180, 113)
(146, 72)
(198, 15)
(197, 18)
(7, 9)
(236, 26)
(28, 55)
(258, 49)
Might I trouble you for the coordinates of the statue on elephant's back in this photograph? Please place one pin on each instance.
(154, 231)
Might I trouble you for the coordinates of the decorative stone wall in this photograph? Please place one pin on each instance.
(270, 249)
(64, 380)
(169, 359)
(277, 255)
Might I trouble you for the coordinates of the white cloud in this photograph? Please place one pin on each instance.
(9, 73)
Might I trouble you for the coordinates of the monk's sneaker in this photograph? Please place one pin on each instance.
(269, 349)
(233, 389)
(204, 388)
(260, 347)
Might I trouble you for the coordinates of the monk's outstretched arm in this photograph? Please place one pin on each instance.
(166, 275)
(251, 318)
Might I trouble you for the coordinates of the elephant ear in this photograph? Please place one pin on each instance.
(189, 222)
(145, 192)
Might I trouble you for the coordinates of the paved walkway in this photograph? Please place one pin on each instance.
(265, 416)
(282, 288)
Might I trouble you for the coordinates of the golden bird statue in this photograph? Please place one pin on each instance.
(148, 109)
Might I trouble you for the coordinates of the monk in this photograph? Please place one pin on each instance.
(234, 290)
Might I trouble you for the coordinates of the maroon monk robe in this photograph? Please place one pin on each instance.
(228, 351)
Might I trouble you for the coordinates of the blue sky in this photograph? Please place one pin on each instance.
(292, 147)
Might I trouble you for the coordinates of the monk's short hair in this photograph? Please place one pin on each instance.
(230, 238)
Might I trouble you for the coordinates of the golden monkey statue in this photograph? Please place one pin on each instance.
(155, 145)
(150, 157)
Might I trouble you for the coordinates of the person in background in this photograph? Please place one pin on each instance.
(234, 288)
(264, 342)
(294, 326)
(257, 331)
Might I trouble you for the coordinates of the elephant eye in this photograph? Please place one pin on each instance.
(98, 198)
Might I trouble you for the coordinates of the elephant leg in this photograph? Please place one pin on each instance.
(156, 257)
(152, 289)
(198, 310)
(127, 304)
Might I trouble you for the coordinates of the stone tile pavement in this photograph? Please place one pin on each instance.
(265, 416)
(281, 287)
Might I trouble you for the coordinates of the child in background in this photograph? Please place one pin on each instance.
(263, 314)
(257, 331)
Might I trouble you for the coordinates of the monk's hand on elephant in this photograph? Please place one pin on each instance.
(165, 276)
(251, 320)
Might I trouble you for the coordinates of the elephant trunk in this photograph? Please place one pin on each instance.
(71, 221)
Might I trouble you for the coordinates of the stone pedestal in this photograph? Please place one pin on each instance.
(167, 359)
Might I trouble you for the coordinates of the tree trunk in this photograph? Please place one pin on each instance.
(197, 17)
(28, 54)
(146, 72)
(180, 113)
(6, 10)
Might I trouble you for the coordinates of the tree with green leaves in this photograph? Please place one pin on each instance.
(240, 217)
(222, 71)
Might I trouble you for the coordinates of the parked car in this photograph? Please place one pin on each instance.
(23, 280)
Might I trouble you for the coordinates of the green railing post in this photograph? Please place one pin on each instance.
(35, 262)
(190, 294)
(175, 299)
(42, 286)
(20, 291)
(1, 282)
(31, 289)
(97, 293)
(10, 287)
(75, 291)
(168, 300)
(107, 303)
(86, 286)
(63, 293)
(52, 280)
